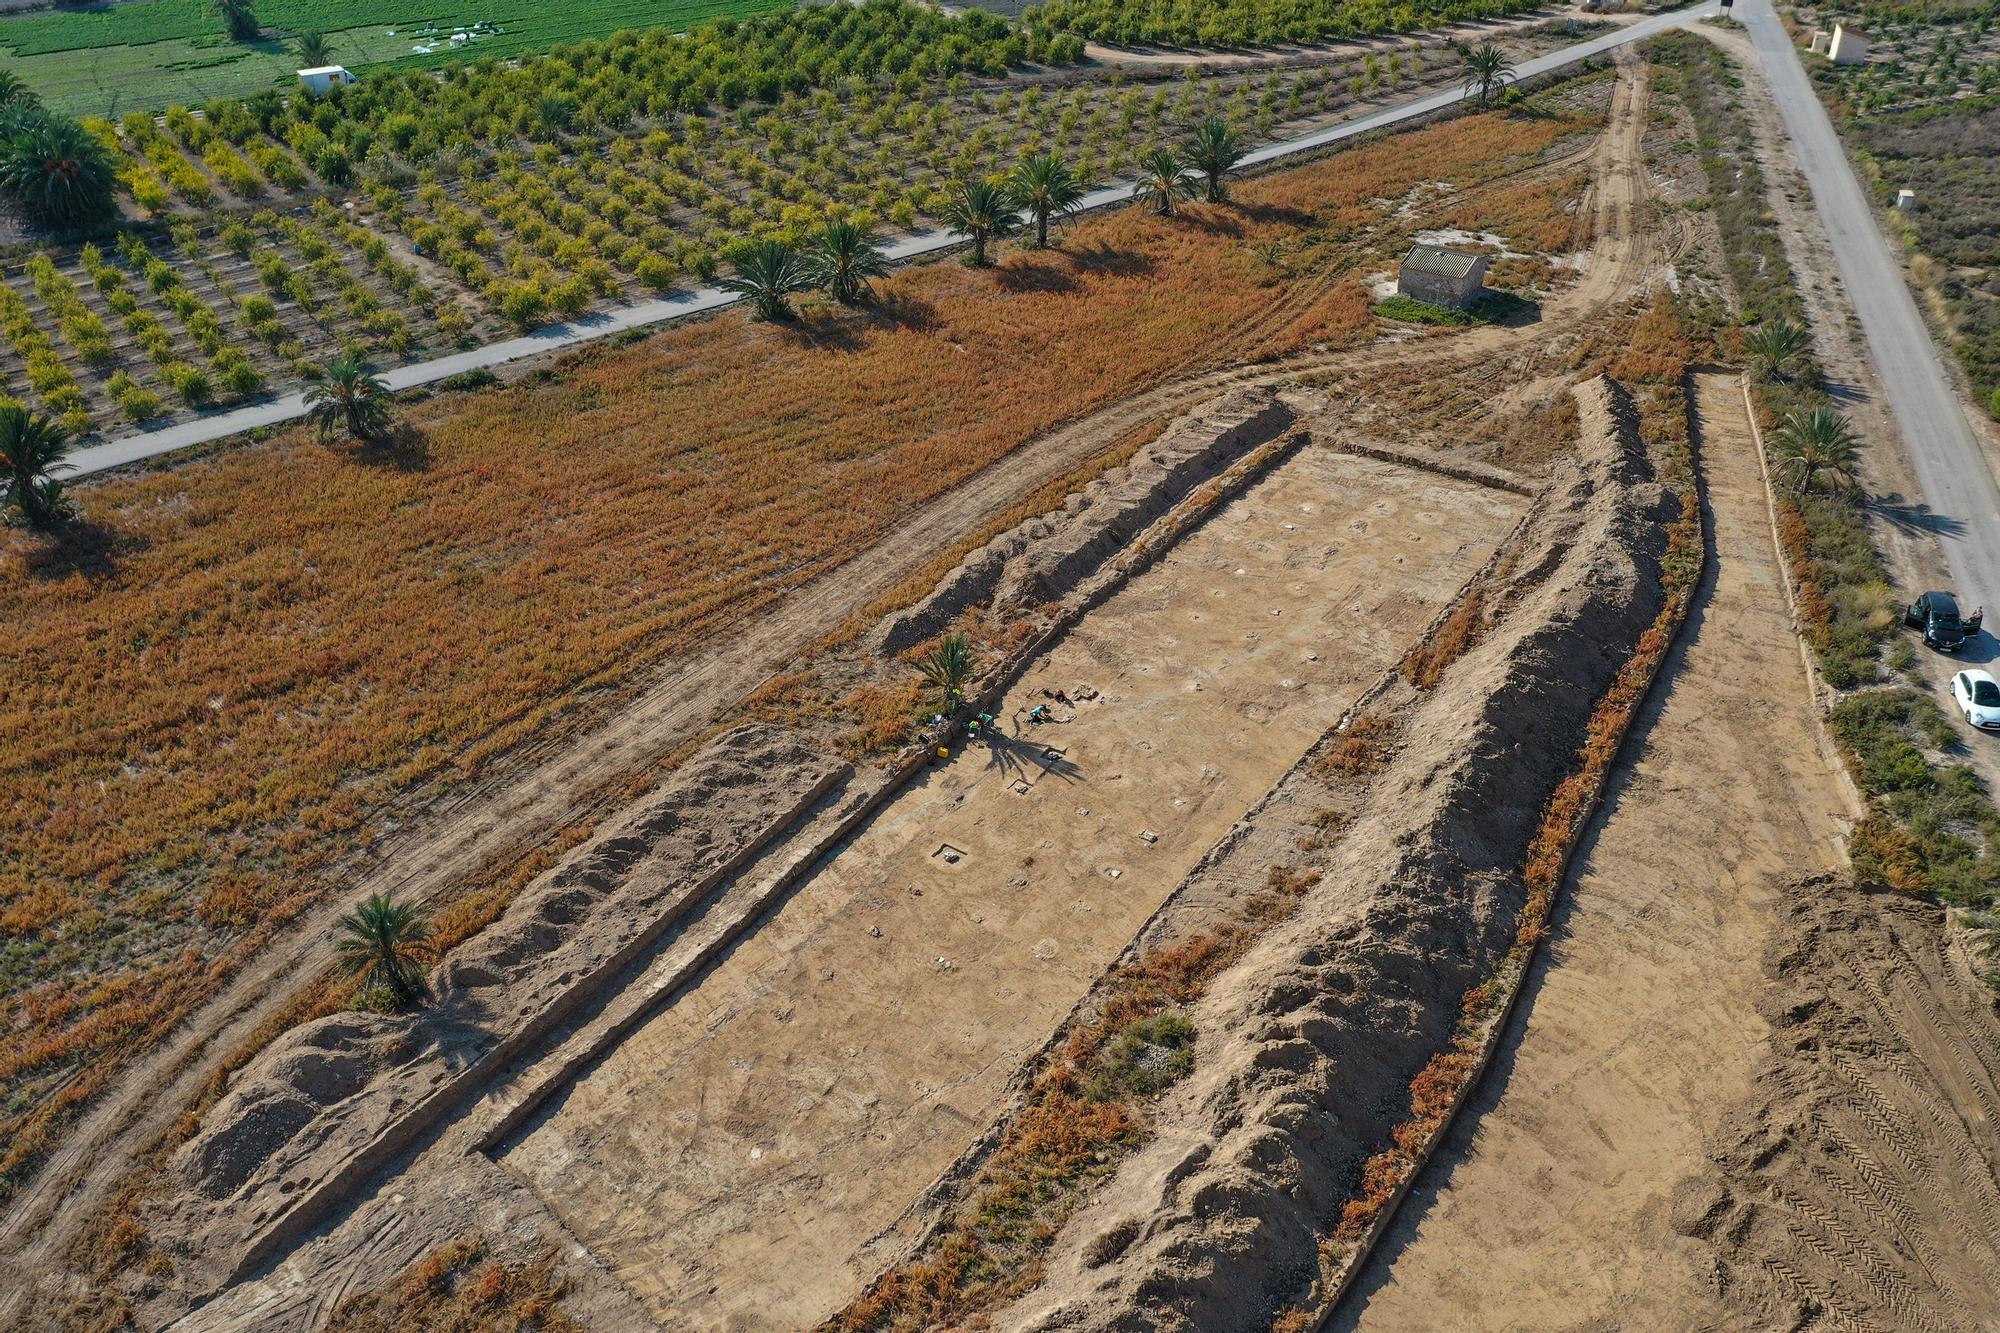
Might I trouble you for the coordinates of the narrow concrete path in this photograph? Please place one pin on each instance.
(1549, 1204)
(1950, 467)
(555, 337)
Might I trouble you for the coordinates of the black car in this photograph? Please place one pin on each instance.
(1936, 614)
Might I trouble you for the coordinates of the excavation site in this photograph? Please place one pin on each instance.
(1185, 779)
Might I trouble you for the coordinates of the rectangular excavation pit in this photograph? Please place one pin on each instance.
(730, 1165)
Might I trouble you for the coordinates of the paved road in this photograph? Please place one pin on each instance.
(1951, 470)
(554, 337)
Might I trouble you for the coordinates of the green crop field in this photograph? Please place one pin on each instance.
(154, 53)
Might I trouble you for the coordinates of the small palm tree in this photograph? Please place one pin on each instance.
(1817, 445)
(981, 210)
(386, 942)
(843, 259)
(57, 170)
(1484, 69)
(14, 92)
(768, 273)
(313, 49)
(350, 397)
(1214, 150)
(1166, 181)
(31, 451)
(1042, 186)
(946, 668)
(1777, 348)
(239, 17)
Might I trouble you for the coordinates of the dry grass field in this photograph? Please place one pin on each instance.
(221, 686)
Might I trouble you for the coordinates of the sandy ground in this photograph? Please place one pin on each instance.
(733, 1156)
(1549, 1205)
(1859, 1186)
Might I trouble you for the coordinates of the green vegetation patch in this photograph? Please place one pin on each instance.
(146, 55)
(1493, 308)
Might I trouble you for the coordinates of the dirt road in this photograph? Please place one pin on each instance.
(1952, 469)
(1550, 1204)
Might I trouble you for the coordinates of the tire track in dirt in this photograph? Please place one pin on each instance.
(1872, 1117)
(565, 778)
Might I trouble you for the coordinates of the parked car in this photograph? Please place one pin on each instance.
(1936, 614)
(1978, 696)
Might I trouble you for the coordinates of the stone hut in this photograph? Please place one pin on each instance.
(1442, 277)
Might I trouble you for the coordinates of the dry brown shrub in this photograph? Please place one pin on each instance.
(1424, 665)
(458, 1289)
(1362, 749)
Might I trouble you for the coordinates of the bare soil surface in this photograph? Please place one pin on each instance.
(1858, 1185)
(733, 1157)
(1550, 1204)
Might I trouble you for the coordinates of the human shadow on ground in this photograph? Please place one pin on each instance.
(80, 546)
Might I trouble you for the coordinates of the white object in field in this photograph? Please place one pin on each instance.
(1847, 47)
(1906, 198)
(1820, 38)
(322, 77)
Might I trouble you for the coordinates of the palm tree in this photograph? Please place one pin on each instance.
(1167, 180)
(1043, 186)
(946, 668)
(386, 942)
(1817, 445)
(31, 450)
(239, 17)
(55, 168)
(350, 397)
(313, 49)
(13, 91)
(1214, 150)
(981, 210)
(768, 272)
(1484, 68)
(843, 259)
(1777, 348)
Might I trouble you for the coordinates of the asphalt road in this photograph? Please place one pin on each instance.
(1951, 470)
(554, 337)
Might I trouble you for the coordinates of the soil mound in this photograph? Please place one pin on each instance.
(336, 1099)
(1860, 1188)
(1307, 1047)
(1045, 557)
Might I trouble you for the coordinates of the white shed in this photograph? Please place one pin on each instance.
(1847, 47)
(322, 77)
(1820, 38)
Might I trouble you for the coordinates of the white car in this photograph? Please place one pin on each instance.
(1978, 698)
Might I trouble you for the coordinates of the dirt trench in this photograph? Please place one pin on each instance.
(1549, 1204)
(1307, 1047)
